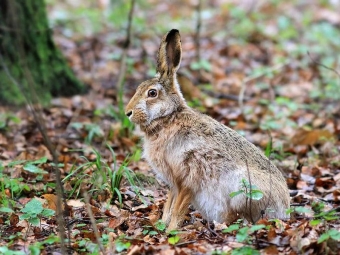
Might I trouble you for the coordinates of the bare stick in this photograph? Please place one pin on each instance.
(270, 172)
(198, 30)
(250, 192)
(324, 66)
(329, 68)
(40, 124)
(93, 222)
(122, 69)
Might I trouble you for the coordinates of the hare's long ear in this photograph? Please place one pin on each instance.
(169, 54)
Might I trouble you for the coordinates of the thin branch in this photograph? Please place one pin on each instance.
(198, 30)
(250, 192)
(270, 173)
(122, 69)
(40, 124)
(324, 66)
(93, 222)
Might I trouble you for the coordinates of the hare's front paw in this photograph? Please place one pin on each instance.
(174, 224)
(168, 208)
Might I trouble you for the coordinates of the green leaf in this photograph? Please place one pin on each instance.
(121, 245)
(242, 235)
(34, 221)
(33, 207)
(51, 240)
(25, 216)
(160, 225)
(47, 212)
(153, 233)
(231, 228)
(173, 232)
(256, 228)
(255, 194)
(245, 250)
(234, 194)
(35, 248)
(17, 162)
(34, 169)
(42, 160)
(334, 234)
(173, 240)
(323, 237)
(301, 209)
(314, 222)
(6, 210)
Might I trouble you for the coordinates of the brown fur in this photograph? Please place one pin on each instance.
(200, 159)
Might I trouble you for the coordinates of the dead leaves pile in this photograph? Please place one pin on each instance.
(305, 132)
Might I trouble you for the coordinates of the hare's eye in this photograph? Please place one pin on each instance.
(152, 93)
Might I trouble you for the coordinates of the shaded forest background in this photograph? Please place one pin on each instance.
(268, 69)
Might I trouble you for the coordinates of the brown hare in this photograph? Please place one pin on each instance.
(201, 160)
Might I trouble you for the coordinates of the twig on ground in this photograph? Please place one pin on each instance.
(93, 222)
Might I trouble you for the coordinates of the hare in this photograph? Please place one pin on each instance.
(200, 159)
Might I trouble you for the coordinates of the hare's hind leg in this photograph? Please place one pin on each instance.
(168, 206)
(180, 208)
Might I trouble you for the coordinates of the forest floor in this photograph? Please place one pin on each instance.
(281, 54)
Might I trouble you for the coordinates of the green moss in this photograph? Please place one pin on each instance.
(30, 54)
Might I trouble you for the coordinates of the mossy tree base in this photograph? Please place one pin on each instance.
(30, 55)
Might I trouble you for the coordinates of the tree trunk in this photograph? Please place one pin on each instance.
(29, 55)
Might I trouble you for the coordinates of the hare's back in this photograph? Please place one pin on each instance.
(224, 145)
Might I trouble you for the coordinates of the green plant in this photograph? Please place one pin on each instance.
(218, 252)
(122, 243)
(93, 130)
(88, 247)
(250, 191)
(5, 251)
(243, 233)
(149, 230)
(103, 175)
(173, 237)
(33, 211)
(245, 250)
(298, 209)
(14, 185)
(35, 248)
(330, 234)
(117, 174)
(31, 166)
(320, 216)
(6, 118)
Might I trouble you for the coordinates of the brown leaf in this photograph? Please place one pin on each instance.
(89, 235)
(336, 194)
(271, 250)
(51, 201)
(310, 137)
(326, 182)
(271, 234)
(14, 219)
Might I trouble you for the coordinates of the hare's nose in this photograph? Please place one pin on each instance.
(128, 113)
